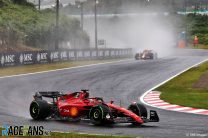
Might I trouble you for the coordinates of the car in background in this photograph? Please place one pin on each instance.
(146, 54)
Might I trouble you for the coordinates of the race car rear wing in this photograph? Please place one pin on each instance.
(51, 94)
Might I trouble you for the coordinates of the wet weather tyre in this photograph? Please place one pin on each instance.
(151, 56)
(98, 114)
(137, 56)
(138, 109)
(39, 109)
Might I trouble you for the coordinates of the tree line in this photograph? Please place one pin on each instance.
(22, 24)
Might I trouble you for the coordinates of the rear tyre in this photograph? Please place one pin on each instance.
(138, 109)
(137, 56)
(99, 114)
(40, 109)
(152, 56)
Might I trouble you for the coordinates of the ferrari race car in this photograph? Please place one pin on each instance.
(79, 106)
(146, 54)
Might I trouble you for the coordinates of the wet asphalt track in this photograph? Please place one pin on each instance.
(125, 81)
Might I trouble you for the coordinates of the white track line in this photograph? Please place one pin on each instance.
(63, 69)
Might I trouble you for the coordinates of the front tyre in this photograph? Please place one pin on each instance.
(138, 109)
(39, 109)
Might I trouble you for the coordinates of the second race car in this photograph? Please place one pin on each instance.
(146, 54)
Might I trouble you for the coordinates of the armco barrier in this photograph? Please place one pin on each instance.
(41, 57)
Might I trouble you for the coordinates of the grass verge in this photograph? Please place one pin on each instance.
(68, 135)
(199, 46)
(188, 89)
(45, 67)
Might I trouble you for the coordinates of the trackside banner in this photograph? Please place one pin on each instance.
(42, 57)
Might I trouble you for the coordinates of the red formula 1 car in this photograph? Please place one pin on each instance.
(79, 106)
